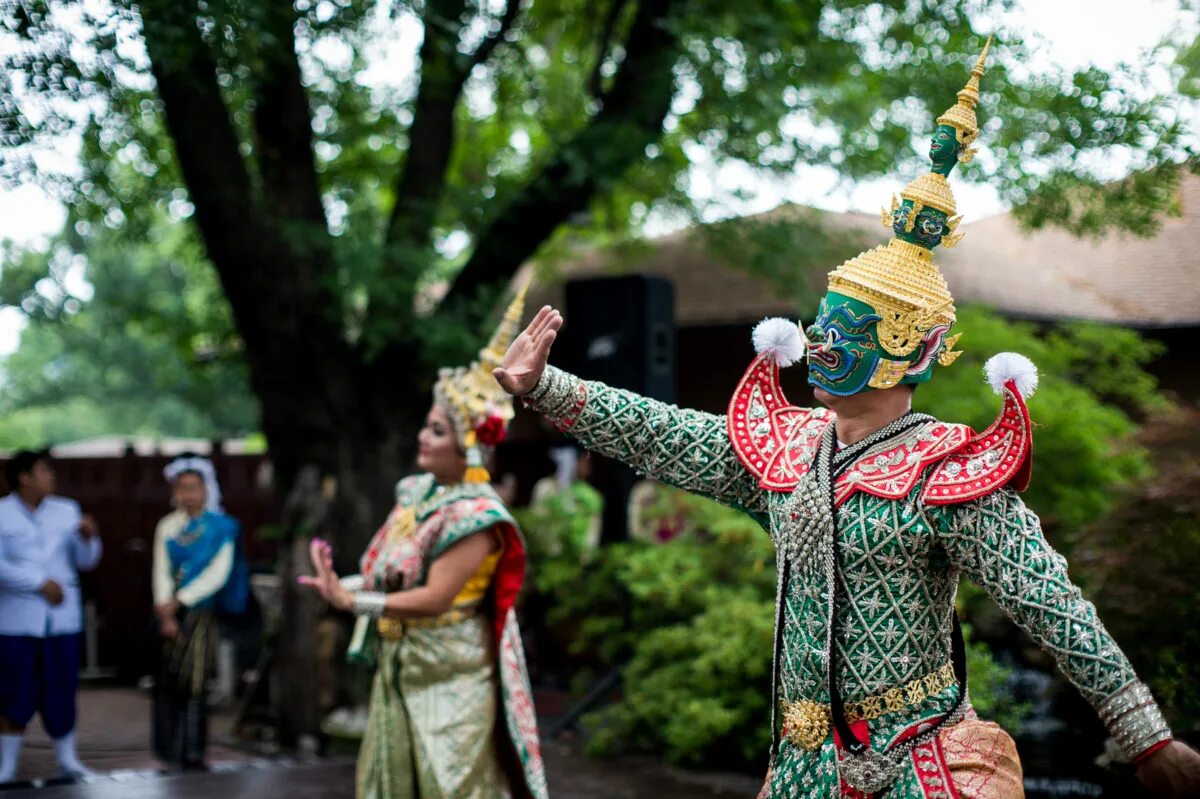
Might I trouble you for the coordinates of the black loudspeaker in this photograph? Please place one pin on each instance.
(620, 331)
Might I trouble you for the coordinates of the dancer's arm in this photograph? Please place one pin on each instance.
(161, 583)
(998, 542)
(684, 448)
(448, 573)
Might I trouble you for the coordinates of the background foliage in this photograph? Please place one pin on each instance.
(134, 340)
(1092, 377)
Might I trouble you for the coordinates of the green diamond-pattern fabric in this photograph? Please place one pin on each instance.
(899, 566)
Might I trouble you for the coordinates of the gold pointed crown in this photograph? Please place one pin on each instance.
(933, 190)
(470, 394)
(904, 286)
(899, 279)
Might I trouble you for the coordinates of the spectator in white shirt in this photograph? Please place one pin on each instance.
(44, 543)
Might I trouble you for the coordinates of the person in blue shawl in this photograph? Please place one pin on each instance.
(200, 574)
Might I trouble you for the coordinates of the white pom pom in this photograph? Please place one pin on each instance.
(780, 337)
(1006, 366)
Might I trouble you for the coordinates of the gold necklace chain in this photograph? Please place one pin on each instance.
(404, 523)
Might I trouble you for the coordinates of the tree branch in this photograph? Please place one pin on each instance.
(631, 118)
(595, 81)
(282, 124)
(485, 49)
(281, 306)
(206, 143)
(422, 181)
(431, 136)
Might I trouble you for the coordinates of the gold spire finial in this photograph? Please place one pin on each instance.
(961, 116)
(970, 93)
(510, 327)
(978, 70)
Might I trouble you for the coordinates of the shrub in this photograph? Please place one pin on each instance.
(1091, 375)
(692, 619)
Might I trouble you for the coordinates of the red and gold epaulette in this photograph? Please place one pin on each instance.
(774, 440)
(777, 442)
(1000, 456)
(891, 474)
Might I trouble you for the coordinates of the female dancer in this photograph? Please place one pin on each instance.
(451, 714)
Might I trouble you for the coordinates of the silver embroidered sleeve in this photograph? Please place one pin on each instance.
(353, 582)
(998, 542)
(555, 394)
(1134, 719)
(685, 448)
(369, 603)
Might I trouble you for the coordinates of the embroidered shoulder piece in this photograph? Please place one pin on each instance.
(891, 468)
(414, 488)
(1000, 456)
(775, 441)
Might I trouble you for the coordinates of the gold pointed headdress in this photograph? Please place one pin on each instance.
(900, 280)
(932, 189)
(478, 407)
(961, 115)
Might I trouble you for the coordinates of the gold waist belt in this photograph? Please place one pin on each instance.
(393, 629)
(806, 723)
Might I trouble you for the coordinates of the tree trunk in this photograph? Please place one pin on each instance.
(339, 482)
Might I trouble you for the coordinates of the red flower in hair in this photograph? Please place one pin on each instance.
(490, 431)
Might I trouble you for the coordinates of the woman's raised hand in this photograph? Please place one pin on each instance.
(526, 358)
(326, 579)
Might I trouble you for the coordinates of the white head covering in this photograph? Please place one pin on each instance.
(204, 468)
(566, 465)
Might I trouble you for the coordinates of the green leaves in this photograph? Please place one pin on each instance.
(692, 617)
(769, 83)
(1092, 377)
(990, 694)
(550, 153)
(698, 691)
(152, 350)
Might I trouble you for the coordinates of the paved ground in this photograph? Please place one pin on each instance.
(114, 729)
(113, 732)
(326, 780)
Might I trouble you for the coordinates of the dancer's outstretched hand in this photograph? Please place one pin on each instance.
(526, 358)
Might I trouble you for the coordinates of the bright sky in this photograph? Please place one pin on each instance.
(1077, 32)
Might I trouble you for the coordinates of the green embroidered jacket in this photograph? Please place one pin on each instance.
(899, 559)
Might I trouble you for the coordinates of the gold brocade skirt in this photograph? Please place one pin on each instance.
(431, 729)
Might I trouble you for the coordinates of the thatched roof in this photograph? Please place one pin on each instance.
(1050, 274)
(1047, 274)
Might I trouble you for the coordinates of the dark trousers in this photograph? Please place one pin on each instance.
(40, 675)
